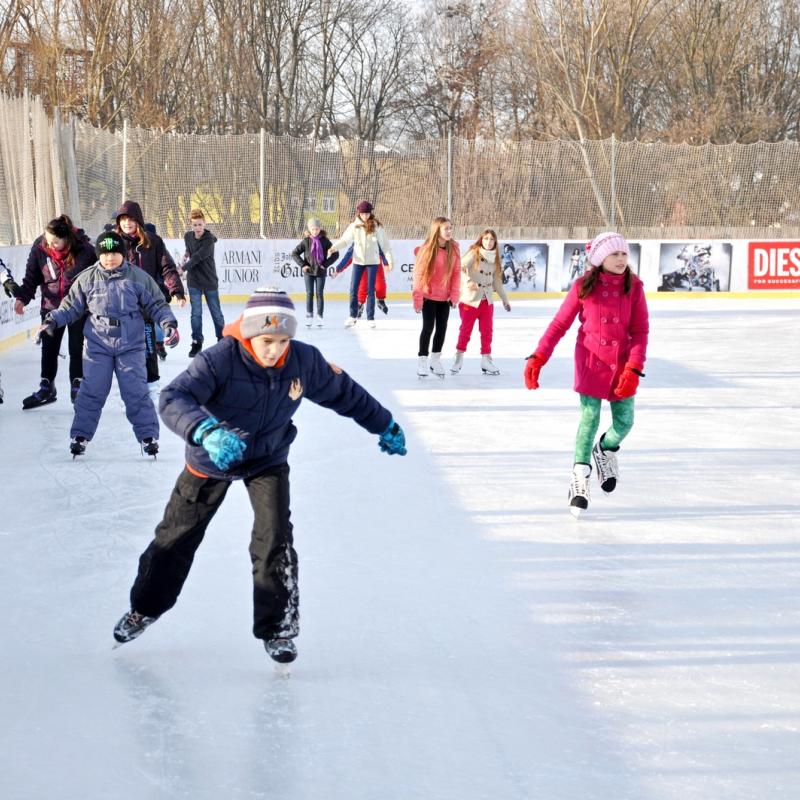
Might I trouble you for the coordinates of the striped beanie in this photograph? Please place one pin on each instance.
(603, 245)
(269, 310)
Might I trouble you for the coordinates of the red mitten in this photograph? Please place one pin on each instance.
(533, 366)
(629, 380)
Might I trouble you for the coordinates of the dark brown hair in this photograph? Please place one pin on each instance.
(590, 280)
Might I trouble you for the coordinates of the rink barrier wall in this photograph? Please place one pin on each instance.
(741, 268)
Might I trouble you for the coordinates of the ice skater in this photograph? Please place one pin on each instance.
(115, 297)
(481, 276)
(233, 407)
(313, 255)
(435, 290)
(609, 358)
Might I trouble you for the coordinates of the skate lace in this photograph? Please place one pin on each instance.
(606, 463)
(579, 486)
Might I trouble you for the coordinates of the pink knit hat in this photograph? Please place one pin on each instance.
(603, 245)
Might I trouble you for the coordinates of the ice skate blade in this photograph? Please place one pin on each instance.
(283, 671)
(576, 511)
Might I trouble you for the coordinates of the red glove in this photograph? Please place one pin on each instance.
(629, 380)
(533, 365)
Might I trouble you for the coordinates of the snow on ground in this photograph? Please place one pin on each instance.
(462, 636)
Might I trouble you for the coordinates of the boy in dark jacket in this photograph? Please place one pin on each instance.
(115, 297)
(233, 407)
(201, 272)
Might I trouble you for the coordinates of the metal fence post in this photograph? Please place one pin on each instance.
(613, 181)
(262, 163)
(124, 160)
(449, 169)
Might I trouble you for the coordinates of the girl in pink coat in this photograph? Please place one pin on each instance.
(609, 358)
(436, 287)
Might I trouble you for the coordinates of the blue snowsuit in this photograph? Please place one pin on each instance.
(116, 302)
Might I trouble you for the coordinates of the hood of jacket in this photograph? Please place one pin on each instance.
(131, 209)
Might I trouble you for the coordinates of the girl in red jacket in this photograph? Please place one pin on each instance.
(609, 358)
(436, 287)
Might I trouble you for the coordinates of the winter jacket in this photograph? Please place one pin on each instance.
(117, 301)
(367, 248)
(227, 382)
(41, 270)
(439, 288)
(482, 272)
(201, 271)
(302, 254)
(155, 260)
(614, 330)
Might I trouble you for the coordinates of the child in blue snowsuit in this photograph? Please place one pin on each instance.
(115, 296)
(233, 407)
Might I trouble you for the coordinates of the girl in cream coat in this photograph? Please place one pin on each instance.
(367, 238)
(482, 275)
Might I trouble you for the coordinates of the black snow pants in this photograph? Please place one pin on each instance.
(165, 564)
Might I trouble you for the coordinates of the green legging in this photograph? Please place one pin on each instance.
(621, 424)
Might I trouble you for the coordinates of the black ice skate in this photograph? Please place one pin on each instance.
(131, 625)
(579, 489)
(607, 467)
(382, 306)
(149, 446)
(195, 349)
(46, 393)
(281, 650)
(360, 312)
(161, 351)
(73, 389)
(77, 446)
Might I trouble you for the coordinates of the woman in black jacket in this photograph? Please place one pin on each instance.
(313, 255)
(55, 260)
(146, 250)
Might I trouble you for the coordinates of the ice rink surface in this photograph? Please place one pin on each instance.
(462, 636)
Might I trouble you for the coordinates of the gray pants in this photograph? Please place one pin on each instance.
(99, 366)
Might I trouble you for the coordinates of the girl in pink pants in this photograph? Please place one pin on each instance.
(482, 275)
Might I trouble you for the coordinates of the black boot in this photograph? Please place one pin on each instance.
(161, 351)
(46, 393)
(382, 306)
(195, 349)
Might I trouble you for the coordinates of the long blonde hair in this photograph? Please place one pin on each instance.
(477, 247)
(427, 251)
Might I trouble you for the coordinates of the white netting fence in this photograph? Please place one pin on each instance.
(253, 185)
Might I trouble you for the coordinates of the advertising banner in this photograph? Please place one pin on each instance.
(575, 262)
(773, 265)
(695, 267)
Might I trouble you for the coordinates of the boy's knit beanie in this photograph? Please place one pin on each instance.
(603, 245)
(269, 310)
(109, 242)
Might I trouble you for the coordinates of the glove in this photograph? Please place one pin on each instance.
(171, 336)
(224, 446)
(393, 440)
(533, 366)
(48, 327)
(629, 380)
(10, 286)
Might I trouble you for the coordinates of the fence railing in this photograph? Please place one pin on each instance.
(258, 185)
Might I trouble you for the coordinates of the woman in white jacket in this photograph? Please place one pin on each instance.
(366, 238)
(482, 275)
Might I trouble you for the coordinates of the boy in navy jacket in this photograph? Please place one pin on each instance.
(233, 407)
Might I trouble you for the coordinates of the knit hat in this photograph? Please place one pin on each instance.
(364, 207)
(603, 245)
(269, 310)
(313, 222)
(109, 242)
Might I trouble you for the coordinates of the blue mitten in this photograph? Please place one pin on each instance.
(393, 440)
(225, 447)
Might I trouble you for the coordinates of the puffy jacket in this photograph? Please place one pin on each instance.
(41, 270)
(201, 271)
(302, 254)
(367, 247)
(438, 288)
(614, 329)
(227, 382)
(479, 266)
(117, 301)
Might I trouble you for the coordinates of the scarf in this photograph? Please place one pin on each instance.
(317, 251)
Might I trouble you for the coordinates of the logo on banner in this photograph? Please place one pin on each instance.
(773, 265)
